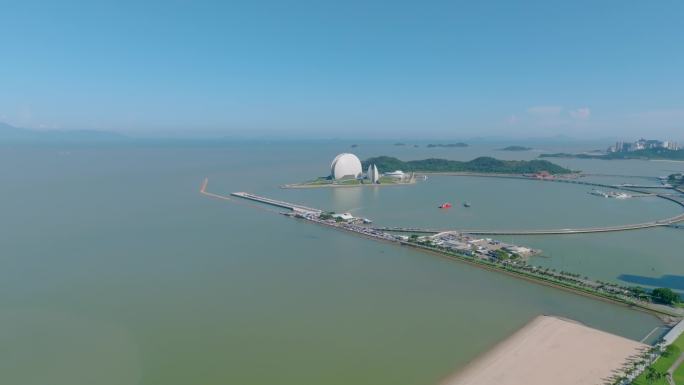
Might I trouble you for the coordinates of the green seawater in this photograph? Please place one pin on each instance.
(115, 270)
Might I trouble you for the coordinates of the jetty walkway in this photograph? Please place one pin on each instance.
(277, 203)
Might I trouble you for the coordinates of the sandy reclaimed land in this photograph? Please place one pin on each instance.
(550, 350)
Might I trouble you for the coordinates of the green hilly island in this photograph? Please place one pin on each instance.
(516, 148)
(480, 165)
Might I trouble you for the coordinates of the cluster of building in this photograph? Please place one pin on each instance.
(485, 248)
(643, 144)
(348, 166)
(345, 221)
(464, 244)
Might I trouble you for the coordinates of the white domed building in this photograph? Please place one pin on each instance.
(345, 166)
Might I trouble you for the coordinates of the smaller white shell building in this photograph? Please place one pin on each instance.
(372, 174)
(346, 166)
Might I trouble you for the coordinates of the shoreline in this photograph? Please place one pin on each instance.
(551, 350)
(665, 316)
(330, 185)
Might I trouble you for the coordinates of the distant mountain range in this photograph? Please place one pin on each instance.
(9, 133)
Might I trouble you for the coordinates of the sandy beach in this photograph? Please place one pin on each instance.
(550, 350)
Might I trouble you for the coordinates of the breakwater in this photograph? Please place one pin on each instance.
(611, 293)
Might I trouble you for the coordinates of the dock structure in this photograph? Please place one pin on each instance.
(277, 203)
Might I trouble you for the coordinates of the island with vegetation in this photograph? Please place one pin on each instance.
(516, 148)
(459, 144)
(327, 181)
(477, 165)
(647, 154)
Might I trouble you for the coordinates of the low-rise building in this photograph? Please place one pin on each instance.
(343, 216)
(395, 174)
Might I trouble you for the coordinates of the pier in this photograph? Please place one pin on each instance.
(203, 191)
(277, 203)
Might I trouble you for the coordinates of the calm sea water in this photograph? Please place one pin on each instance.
(115, 270)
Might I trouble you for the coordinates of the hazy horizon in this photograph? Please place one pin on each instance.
(417, 139)
(356, 69)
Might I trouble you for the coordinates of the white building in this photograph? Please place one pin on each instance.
(372, 174)
(395, 174)
(343, 216)
(671, 145)
(345, 166)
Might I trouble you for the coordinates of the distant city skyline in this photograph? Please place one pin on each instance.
(371, 69)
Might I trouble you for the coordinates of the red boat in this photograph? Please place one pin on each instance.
(446, 205)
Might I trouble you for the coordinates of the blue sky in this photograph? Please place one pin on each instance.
(377, 68)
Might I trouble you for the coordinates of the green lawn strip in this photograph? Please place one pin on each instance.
(679, 375)
(663, 364)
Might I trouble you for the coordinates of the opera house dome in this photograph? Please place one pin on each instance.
(345, 166)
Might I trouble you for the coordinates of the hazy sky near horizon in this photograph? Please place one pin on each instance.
(373, 68)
